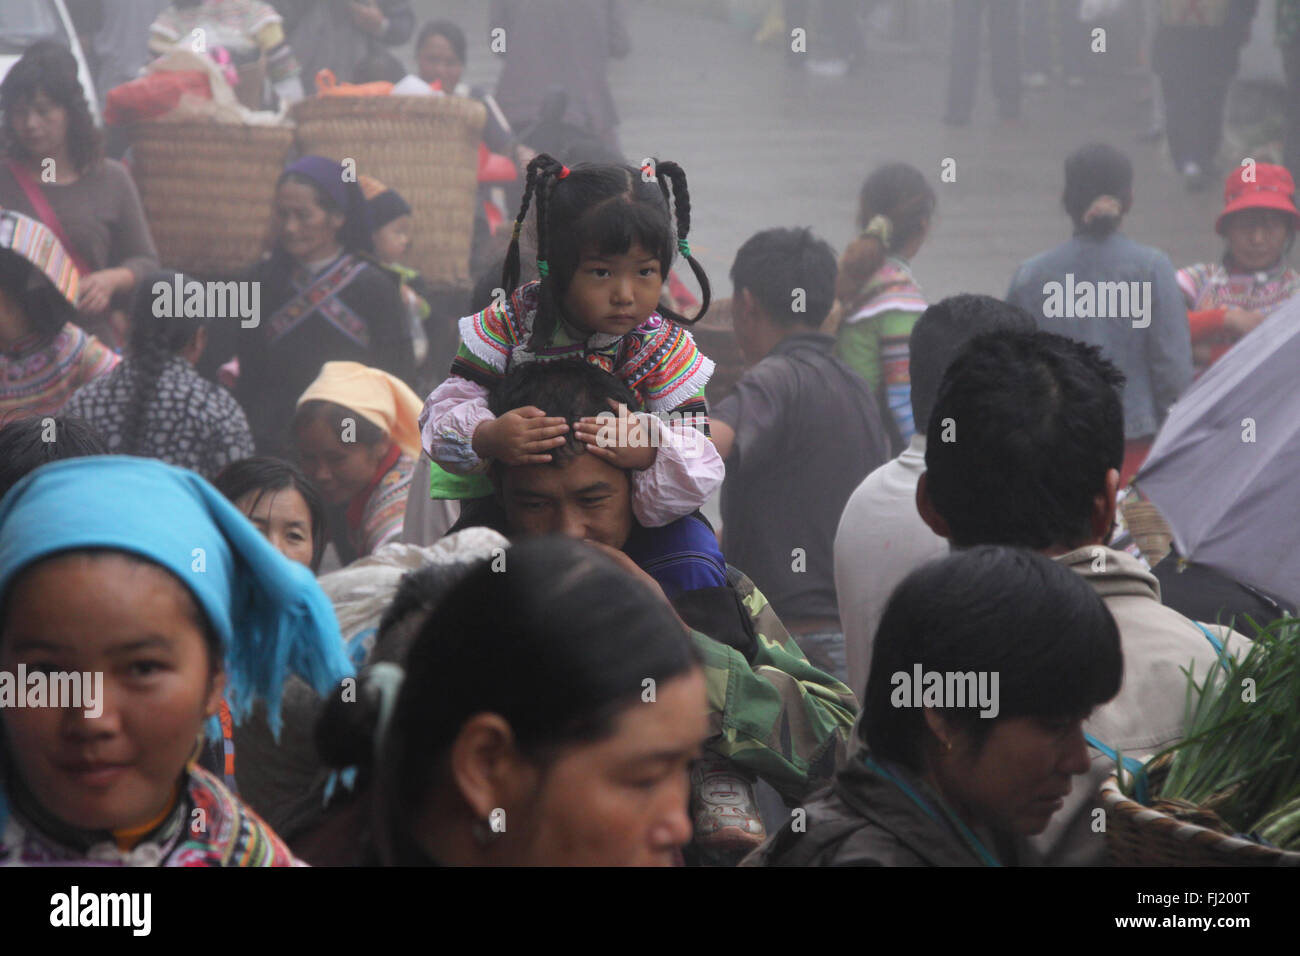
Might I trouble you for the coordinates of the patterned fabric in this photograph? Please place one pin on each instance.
(1209, 285)
(191, 422)
(376, 515)
(1209, 289)
(874, 338)
(658, 360)
(243, 27)
(38, 379)
(209, 826)
(319, 294)
(33, 241)
(775, 715)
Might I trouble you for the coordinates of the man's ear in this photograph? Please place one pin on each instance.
(1104, 508)
(925, 507)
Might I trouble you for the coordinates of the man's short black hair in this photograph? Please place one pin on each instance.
(941, 332)
(568, 389)
(1022, 434)
(775, 263)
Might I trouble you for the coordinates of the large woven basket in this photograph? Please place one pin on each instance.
(207, 190)
(424, 147)
(1144, 836)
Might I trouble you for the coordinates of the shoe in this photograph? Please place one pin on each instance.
(723, 808)
(1034, 81)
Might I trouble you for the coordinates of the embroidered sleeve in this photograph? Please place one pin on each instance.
(666, 368)
(386, 509)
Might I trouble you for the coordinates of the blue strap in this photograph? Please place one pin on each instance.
(1216, 644)
(1131, 764)
(971, 840)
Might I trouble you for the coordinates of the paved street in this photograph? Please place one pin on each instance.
(764, 146)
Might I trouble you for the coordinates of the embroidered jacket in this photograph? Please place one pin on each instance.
(658, 361)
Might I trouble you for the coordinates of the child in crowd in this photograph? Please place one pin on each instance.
(356, 437)
(880, 299)
(391, 220)
(605, 242)
(1227, 299)
(281, 503)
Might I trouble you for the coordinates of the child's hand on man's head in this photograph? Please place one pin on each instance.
(522, 436)
(622, 438)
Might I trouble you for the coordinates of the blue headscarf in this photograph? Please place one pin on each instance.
(269, 612)
(327, 174)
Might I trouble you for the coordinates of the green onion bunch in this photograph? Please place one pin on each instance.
(1241, 757)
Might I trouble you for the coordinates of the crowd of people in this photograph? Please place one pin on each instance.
(361, 612)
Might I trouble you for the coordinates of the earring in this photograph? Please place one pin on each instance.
(483, 833)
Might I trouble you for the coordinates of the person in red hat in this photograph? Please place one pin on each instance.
(1227, 299)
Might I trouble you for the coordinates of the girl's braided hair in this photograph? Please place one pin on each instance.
(606, 206)
(154, 340)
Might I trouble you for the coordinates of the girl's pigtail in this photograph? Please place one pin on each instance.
(510, 271)
(680, 204)
(544, 322)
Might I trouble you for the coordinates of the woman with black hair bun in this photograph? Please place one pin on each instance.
(1102, 288)
(155, 404)
(90, 203)
(576, 754)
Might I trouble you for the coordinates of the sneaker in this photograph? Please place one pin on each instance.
(723, 808)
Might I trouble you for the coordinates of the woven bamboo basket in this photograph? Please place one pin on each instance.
(424, 147)
(1148, 836)
(207, 190)
(1149, 529)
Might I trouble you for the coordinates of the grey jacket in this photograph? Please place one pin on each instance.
(1149, 340)
(864, 819)
(1148, 713)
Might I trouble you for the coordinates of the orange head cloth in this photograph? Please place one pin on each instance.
(382, 399)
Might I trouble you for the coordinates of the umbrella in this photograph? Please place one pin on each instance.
(1225, 469)
(36, 244)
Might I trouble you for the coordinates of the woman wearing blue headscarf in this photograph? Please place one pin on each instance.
(323, 299)
(161, 603)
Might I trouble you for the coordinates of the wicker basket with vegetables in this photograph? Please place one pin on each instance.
(1228, 794)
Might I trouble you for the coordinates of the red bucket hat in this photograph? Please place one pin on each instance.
(1272, 188)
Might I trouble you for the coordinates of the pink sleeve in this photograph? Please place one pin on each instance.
(687, 469)
(451, 414)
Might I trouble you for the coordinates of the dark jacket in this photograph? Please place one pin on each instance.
(863, 819)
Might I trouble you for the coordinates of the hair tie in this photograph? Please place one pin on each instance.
(514, 233)
(564, 171)
(684, 248)
(1103, 207)
(881, 228)
(543, 268)
(385, 678)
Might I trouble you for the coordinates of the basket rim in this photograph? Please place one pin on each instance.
(1115, 799)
